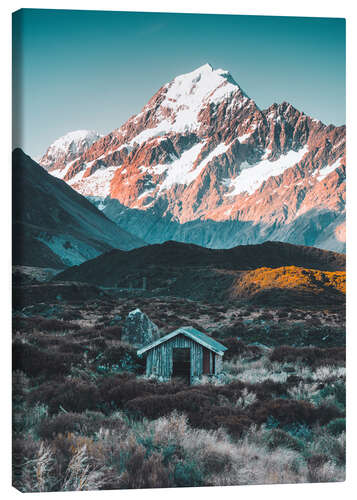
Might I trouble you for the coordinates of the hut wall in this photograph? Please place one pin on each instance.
(218, 364)
(159, 358)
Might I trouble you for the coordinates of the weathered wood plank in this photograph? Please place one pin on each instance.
(159, 360)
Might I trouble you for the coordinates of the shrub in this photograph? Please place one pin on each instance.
(34, 361)
(187, 474)
(277, 438)
(112, 332)
(334, 392)
(284, 411)
(332, 446)
(124, 356)
(152, 406)
(337, 426)
(235, 425)
(315, 463)
(71, 395)
(312, 356)
(87, 424)
(237, 348)
(60, 424)
(118, 390)
(71, 315)
(56, 325)
(269, 389)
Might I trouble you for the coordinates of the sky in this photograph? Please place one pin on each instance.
(94, 69)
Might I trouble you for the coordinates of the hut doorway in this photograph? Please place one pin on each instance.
(181, 363)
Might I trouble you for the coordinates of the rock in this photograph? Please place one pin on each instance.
(261, 346)
(139, 330)
(234, 173)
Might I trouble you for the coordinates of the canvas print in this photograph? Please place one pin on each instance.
(178, 250)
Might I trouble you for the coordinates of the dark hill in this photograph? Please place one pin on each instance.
(112, 267)
(53, 225)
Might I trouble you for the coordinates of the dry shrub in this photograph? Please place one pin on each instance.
(81, 474)
(254, 464)
(71, 315)
(152, 406)
(332, 446)
(112, 332)
(237, 348)
(312, 356)
(24, 452)
(63, 423)
(191, 401)
(290, 411)
(34, 361)
(321, 470)
(56, 325)
(73, 395)
(284, 411)
(142, 472)
(120, 389)
(235, 425)
(277, 438)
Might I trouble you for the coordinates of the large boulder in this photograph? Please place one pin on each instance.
(139, 330)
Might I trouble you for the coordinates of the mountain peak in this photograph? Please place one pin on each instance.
(205, 67)
(75, 136)
(68, 147)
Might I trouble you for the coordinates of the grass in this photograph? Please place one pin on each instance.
(85, 416)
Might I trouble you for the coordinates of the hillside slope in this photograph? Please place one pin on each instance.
(53, 225)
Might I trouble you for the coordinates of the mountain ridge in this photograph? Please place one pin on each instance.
(268, 273)
(202, 150)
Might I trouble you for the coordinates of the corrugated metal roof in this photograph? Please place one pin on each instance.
(193, 334)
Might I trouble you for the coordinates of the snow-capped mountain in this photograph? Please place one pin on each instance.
(202, 163)
(66, 149)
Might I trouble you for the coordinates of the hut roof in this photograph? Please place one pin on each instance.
(192, 333)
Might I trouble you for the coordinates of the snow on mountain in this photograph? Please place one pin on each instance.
(251, 177)
(64, 150)
(202, 150)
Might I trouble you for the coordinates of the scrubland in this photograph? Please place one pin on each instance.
(85, 417)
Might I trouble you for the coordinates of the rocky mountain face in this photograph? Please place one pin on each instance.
(66, 149)
(202, 163)
(53, 225)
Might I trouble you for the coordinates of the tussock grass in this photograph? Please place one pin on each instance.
(85, 416)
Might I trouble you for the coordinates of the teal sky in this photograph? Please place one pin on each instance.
(94, 69)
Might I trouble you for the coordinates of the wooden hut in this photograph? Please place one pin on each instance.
(186, 353)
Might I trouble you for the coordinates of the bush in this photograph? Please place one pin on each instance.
(337, 426)
(283, 411)
(314, 464)
(144, 472)
(87, 424)
(71, 395)
(237, 348)
(119, 389)
(312, 356)
(34, 361)
(337, 391)
(61, 424)
(112, 332)
(235, 425)
(187, 474)
(277, 438)
(56, 325)
(192, 402)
